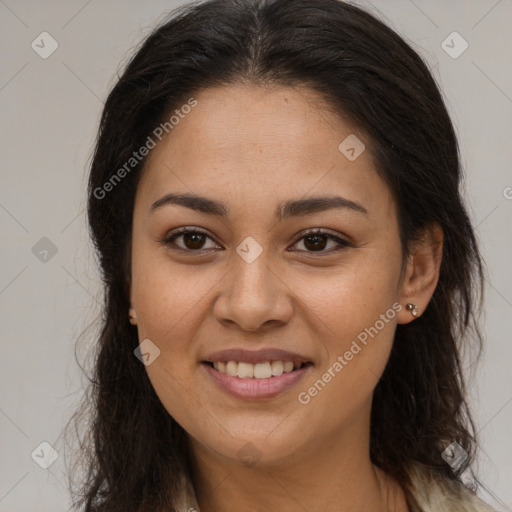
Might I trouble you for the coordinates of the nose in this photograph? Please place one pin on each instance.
(254, 296)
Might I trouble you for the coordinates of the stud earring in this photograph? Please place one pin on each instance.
(133, 316)
(412, 308)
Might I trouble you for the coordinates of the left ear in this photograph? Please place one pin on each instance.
(422, 271)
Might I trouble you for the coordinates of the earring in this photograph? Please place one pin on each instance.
(412, 308)
(133, 316)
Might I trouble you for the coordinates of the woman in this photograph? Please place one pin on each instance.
(289, 271)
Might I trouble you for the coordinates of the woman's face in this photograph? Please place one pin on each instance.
(258, 169)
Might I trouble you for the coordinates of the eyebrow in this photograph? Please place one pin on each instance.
(286, 209)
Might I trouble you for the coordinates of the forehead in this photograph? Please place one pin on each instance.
(280, 141)
(274, 122)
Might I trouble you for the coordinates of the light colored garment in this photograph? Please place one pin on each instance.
(444, 495)
(432, 494)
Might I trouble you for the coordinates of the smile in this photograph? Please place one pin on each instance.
(263, 370)
(256, 381)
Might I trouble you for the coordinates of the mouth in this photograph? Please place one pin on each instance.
(264, 370)
(256, 381)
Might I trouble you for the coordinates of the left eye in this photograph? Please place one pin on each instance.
(318, 239)
(193, 240)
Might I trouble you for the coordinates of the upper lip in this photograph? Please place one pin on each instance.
(255, 356)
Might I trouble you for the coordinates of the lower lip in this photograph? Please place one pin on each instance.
(251, 389)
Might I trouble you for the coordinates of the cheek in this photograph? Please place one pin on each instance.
(168, 297)
(168, 304)
(351, 297)
(357, 308)
(355, 355)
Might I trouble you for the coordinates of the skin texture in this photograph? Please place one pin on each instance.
(251, 148)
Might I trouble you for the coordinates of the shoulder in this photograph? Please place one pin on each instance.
(434, 493)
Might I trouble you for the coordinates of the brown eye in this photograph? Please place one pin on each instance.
(193, 240)
(317, 241)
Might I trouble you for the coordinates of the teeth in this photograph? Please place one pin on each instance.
(277, 368)
(262, 370)
(245, 370)
(231, 368)
(256, 371)
(288, 366)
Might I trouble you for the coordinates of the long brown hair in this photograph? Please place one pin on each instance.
(132, 451)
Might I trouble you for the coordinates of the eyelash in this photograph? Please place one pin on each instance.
(168, 241)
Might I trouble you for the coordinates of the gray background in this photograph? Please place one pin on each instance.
(50, 110)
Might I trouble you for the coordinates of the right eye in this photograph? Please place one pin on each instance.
(192, 239)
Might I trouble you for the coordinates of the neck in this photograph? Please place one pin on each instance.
(334, 475)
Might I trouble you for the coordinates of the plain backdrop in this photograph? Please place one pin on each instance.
(49, 286)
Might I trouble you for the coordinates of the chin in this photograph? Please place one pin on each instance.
(256, 449)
